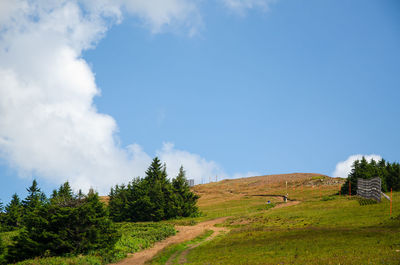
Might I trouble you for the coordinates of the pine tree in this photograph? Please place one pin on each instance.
(153, 198)
(389, 173)
(186, 200)
(64, 196)
(155, 171)
(13, 213)
(35, 198)
(155, 180)
(57, 228)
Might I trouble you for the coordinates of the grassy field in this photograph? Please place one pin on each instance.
(323, 229)
(135, 236)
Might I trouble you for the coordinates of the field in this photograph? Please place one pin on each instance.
(135, 237)
(315, 226)
(320, 227)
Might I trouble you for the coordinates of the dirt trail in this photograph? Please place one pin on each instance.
(185, 233)
(182, 257)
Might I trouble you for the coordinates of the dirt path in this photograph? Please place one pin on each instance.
(185, 233)
(217, 230)
(182, 257)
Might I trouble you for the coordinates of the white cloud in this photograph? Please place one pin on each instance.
(241, 6)
(49, 126)
(343, 168)
(48, 123)
(196, 167)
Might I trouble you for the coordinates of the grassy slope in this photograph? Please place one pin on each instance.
(135, 236)
(323, 229)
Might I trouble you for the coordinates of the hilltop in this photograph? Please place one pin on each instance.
(235, 189)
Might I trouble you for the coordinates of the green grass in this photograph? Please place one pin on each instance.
(334, 231)
(81, 260)
(177, 249)
(135, 236)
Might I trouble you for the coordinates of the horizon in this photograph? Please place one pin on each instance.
(91, 91)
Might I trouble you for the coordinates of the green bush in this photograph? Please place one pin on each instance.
(2, 252)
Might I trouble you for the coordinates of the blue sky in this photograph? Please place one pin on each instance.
(278, 87)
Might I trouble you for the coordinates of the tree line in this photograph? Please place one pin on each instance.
(78, 223)
(389, 173)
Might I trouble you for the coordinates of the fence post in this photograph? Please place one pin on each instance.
(349, 188)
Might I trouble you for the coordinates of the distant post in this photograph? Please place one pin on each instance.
(349, 188)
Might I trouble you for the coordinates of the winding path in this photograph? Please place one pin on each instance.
(185, 233)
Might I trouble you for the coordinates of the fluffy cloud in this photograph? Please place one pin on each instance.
(195, 166)
(343, 168)
(49, 125)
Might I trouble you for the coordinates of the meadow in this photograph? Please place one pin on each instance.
(316, 226)
(319, 227)
(134, 237)
(324, 228)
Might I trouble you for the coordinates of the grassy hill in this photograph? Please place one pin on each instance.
(321, 227)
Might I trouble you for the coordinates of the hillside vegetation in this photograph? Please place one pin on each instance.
(316, 227)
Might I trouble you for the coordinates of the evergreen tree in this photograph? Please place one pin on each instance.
(66, 224)
(389, 173)
(186, 200)
(35, 198)
(154, 181)
(13, 213)
(152, 198)
(64, 196)
(119, 198)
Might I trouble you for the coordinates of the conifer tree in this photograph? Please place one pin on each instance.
(152, 198)
(388, 172)
(13, 213)
(66, 224)
(35, 198)
(186, 199)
